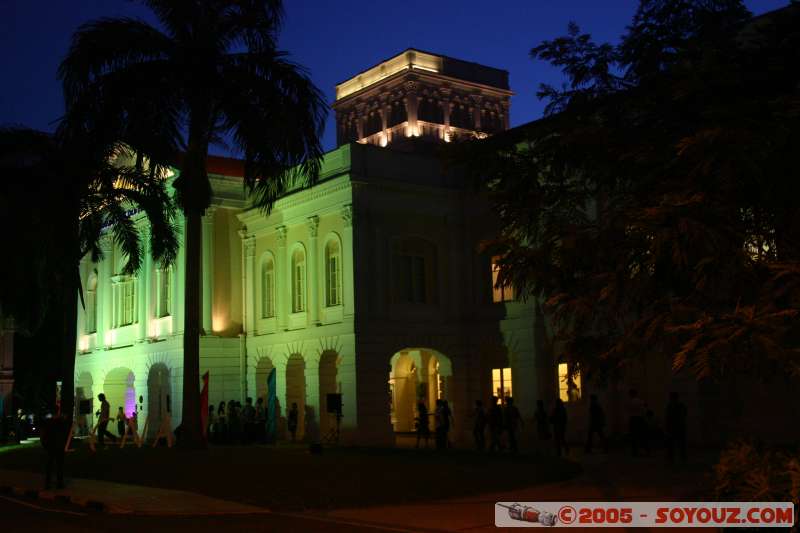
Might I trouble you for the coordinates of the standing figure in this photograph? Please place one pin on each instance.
(55, 432)
(234, 423)
(447, 423)
(249, 416)
(495, 425)
(422, 423)
(479, 426)
(675, 427)
(122, 422)
(513, 420)
(636, 423)
(102, 423)
(292, 421)
(542, 425)
(221, 430)
(211, 427)
(559, 420)
(261, 421)
(597, 424)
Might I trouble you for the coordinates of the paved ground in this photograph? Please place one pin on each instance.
(605, 477)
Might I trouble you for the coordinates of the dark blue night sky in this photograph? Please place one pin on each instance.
(334, 40)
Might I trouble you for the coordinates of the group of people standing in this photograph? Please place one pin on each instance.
(443, 422)
(233, 424)
(500, 420)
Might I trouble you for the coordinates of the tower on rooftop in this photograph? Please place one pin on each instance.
(417, 94)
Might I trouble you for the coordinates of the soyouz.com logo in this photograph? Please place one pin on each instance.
(644, 514)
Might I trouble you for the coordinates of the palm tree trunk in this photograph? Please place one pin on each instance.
(192, 436)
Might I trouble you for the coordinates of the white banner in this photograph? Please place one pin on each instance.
(644, 514)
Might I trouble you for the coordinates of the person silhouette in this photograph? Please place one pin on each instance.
(675, 427)
(512, 420)
(597, 424)
(422, 423)
(102, 423)
(479, 426)
(292, 421)
(495, 425)
(559, 420)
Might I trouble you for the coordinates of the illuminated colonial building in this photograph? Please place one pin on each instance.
(369, 284)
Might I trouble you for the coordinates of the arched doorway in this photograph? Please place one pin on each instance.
(159, 397)
(120, 391)
(296, 390)
(417, 374)
(328, 384)
(263, 369)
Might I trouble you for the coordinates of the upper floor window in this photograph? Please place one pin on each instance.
(164, 296)
(123, 296)
(502, 293)
(267, 288)
(569, 387)
(414, 271)
(90, 325)
(298, 281)
(333, 273)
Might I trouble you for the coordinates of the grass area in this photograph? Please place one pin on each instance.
(291, 478)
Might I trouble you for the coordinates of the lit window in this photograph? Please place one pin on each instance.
(503, 293)
(268, 289)
(123, 292)
(333, 274)
(298, 282)
(569, 389)
(501, 384)
(91, 305)
(164, 292)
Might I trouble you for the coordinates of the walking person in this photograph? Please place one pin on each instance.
(636, 422)
(513, 420)
(423, 423)
(55, 432)
(597, 424)
(675, 427)
(559, 420)
(495, 426)
(292, 421)
(542, 425)
(102, 423)
(479, 426)
(122, 422)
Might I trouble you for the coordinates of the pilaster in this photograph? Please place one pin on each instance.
(283, 281)
(312, 274)
(348, 261)
(208, 271)
(249, 281)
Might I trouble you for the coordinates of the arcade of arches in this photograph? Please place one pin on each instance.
(417, 374)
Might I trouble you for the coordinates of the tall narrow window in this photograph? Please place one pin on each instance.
(124, 300)
(415, 271)
(165, 292)
(267, 289)
(501, 384)
(298, 281)
(333, 274)
(503, 293)
(91, 305)
(569, 387)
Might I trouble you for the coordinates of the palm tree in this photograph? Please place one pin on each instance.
(210, 72)
(58, 196)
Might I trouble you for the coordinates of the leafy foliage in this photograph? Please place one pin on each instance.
(654, 212)
(748, 471)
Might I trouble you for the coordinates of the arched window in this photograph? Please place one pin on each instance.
(268, 288)
(333, 273)
(91, 304)
(298, 281)
(164, 292)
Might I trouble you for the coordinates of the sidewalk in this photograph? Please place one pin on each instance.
(121, 498)
(605, 478)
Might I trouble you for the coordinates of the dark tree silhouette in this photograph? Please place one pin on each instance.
(57, 195)
(211, 71)
(654, 209)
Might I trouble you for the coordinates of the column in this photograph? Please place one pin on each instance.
(412, 103)
(248, 281)
(145, 287)
(476, 101)
(208, 271)
(179, 285)
(312, 393)
(104, 300)
(313, 277)
(283, 281)
(348, 261)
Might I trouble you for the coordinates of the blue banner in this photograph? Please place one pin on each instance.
(272, 408)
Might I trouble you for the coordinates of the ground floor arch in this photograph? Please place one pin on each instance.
(119, 388)
(296, 390)
(417, 375)
(159, 397)
(264, 368)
